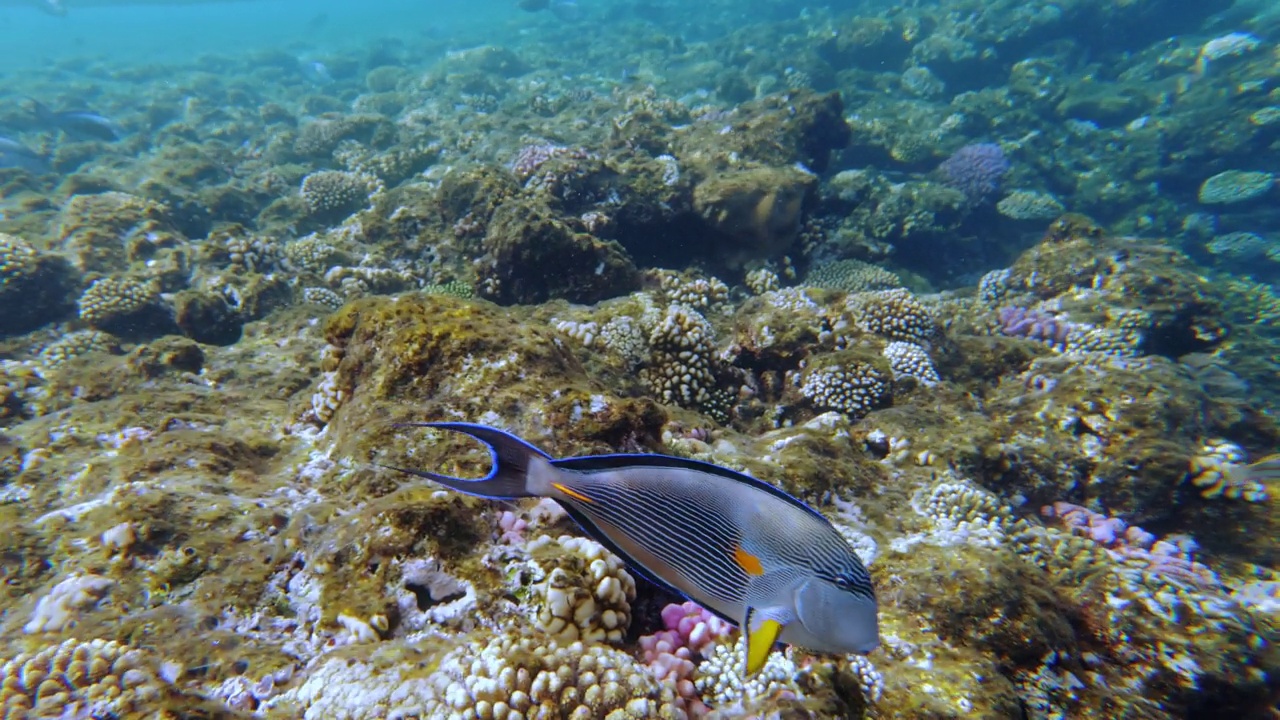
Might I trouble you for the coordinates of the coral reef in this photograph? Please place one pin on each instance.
(841, 250)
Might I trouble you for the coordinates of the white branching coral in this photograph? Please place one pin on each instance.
(701, 294)
(962, 512)
(75, 679)
(681, 349)
(893, 314)
(720, 682)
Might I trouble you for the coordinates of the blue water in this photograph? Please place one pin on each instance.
(182, 33)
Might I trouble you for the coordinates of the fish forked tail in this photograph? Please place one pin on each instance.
(38, 110)
(511, 456)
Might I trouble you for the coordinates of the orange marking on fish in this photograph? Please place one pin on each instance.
(748, 562)
(572, 493)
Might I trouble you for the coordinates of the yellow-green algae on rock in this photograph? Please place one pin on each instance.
(213, 511)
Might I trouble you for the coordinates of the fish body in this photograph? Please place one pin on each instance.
(1265, 471)
(566, 10)
(79, 124)
(736, 545)
(317, 72)
(14, 154)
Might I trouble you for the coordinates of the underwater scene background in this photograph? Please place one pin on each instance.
(989, 284)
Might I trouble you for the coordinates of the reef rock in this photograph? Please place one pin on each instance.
(533, 256)
(758, 210)
(439, 356)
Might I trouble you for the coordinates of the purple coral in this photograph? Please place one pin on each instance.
(530, 159)
(1170, 557)
(975, 170)
(1034, 325)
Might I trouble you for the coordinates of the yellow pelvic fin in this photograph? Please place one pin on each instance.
(749, 563)
(572, 493)
(760, 641)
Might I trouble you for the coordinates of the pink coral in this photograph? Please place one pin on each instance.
(688, 630)
(512, 527)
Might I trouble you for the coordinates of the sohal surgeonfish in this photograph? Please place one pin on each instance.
(736, 545)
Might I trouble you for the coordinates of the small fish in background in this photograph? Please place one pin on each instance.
(77, 124)
(53, 7)
(316, 72)
(14, 154)
(1214, 375)
(738, 546)
(317, 21)
(1265, 472)
(566, 10)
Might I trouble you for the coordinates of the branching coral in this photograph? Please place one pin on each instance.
(506, 678)
(114, 298)
(853, 388)
(893, 314)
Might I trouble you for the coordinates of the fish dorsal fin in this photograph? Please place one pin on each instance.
(588, 464)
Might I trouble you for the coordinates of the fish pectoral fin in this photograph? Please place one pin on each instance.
(762, 634)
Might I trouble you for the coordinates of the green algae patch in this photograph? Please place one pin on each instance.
(351, 560)
(440, 357)
(989, 598)
(534, 256)
(1148, 417)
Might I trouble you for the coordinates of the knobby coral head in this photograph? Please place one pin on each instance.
(975, 170)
